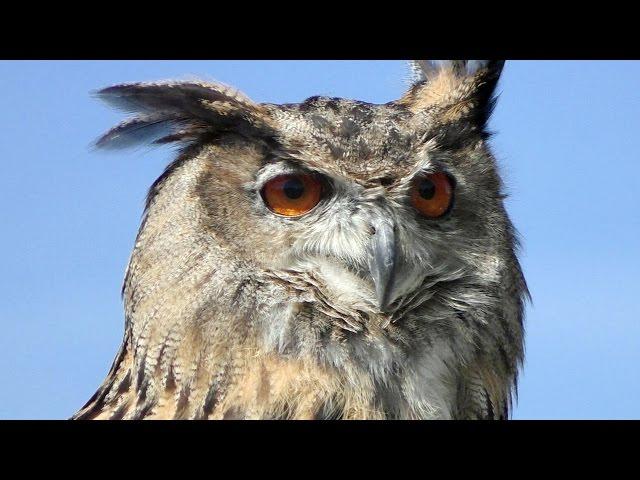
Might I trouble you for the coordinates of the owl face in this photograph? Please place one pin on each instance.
(365, 197)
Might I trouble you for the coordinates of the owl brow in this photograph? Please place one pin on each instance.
(270, 170)
(274, 166)
(295, 158)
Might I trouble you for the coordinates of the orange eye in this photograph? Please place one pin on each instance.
(431, 194)
(292, 195)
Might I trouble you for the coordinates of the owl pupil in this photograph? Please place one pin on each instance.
(293, 188)
(427, 189)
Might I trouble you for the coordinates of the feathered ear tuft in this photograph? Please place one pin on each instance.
(429, 69)
(178, 112)
(455, 90)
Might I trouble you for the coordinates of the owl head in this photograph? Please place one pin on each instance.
(376, 201)
(368, 237)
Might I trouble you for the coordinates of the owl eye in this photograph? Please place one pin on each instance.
(432, 194)
(292, 195)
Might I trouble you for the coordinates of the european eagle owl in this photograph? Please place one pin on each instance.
(329, 259)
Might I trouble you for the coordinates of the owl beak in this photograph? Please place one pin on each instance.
(382, 262)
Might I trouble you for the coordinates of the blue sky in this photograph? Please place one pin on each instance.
(568, 142)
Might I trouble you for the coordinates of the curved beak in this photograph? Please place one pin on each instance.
(382, 262)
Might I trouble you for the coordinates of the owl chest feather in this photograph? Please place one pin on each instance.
(274, 387)
(308, 366)
(251, 378)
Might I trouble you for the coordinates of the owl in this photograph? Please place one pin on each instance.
(329, 259)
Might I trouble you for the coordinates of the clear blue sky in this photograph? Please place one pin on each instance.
(568, 141)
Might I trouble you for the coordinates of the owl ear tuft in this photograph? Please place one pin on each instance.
(455, 90)
(178, 112)
(429, 69)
